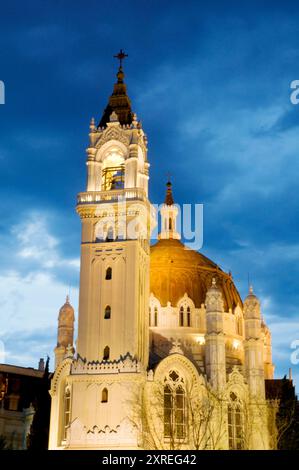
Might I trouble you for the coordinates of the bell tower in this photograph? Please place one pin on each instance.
(94, 393)
(115, 213)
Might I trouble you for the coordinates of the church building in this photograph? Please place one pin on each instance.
(167, 355)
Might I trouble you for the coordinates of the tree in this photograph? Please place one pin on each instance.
(206, 416)
(3, 443)
(284, 416)
(173, 415)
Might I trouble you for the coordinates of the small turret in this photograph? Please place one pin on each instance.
(65, 334)
(268, 364)
(215, 340)
(253, 346)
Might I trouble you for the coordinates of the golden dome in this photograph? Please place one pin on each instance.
(176, 270)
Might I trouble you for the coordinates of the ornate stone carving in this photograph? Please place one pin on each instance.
(122, 432)
(124, 364)
(150, 375)
(176, 347)
(114, 133)
(252, 306)
(214, 298)
(113, 117)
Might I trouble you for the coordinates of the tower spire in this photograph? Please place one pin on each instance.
(169, 213)
(119, 102)
(169, 197)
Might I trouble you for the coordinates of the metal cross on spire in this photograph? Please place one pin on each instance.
(121, 56)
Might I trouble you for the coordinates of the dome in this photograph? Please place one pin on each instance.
(66, 310)
(176, 269)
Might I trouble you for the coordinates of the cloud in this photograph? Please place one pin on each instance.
(28, 315)
(32, 289)
(26, 347)
(44, 41)
(38, 245)
(283, 334)
(287, 121)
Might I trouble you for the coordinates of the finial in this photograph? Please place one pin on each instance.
(120, 74)
(134, 121)
(69, 351)
(214, 282)
(113, 117)
(92, 125)
(250, 289)
(176, 347)
(67, 301)
(121, 56)
(119, 100)
(169, 198)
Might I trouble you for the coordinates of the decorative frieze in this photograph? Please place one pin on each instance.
(123, 365)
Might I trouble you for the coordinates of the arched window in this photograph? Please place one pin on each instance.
(174, 407)
(113, 177)
(185, 316)
(67, 412)
(156, 316)
(180, 412)
(182, 316)
(110, 235)
(104, 395)
(188, 316)
(153, 316)
(106, 353)
(107, 315)
(170, 223)
(108, 274)
(168, 406)
(235, 423)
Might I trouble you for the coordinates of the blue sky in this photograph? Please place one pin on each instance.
(211, 84)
